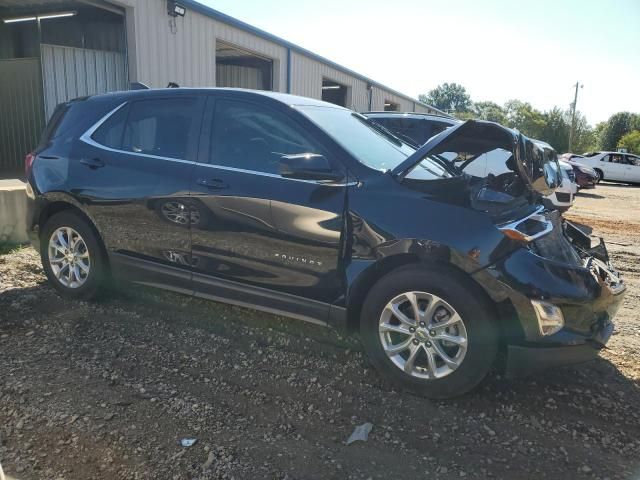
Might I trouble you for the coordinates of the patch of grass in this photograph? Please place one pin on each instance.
(7, 248)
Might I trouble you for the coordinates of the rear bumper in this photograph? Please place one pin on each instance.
(523, 360)
(34, 207)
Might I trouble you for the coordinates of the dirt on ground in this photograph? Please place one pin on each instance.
(108, 390)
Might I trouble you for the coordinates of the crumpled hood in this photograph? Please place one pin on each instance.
(535, 162)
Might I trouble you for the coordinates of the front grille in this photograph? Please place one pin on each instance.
(563, 197)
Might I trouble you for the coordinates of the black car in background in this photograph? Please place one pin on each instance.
(302, 208)
(413, 128)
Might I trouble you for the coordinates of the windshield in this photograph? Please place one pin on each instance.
(372, 146)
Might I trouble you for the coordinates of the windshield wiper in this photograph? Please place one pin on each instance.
(376, 126)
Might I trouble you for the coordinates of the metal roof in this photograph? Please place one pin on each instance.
(223, 17)
(381, 113)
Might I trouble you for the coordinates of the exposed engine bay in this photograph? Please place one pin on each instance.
(484, 166)
(487, 167)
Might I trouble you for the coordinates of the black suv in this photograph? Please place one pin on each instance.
(302, 208)
(413, 128)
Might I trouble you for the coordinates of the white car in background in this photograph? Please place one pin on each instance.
(616, 166)
(564, 195)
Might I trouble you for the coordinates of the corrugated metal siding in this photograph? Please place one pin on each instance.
(186, 55)
(380, 97)
(76, 72)
(307, 75)
(236, 76)
(21, 112)
(307, 78)
(258, 45)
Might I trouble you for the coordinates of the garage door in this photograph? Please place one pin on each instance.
(21, 118)
(70, 72)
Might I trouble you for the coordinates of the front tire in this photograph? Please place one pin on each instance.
(600, 175)
(72, 256)
(428, 331)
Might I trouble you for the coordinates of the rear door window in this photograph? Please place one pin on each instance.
(165, 127)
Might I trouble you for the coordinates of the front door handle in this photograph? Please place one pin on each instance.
(92, 163)
(212, 183)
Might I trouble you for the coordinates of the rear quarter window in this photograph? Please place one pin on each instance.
(110, 132)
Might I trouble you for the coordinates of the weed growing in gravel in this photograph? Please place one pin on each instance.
(7, 248)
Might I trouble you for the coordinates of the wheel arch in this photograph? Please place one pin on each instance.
(600, 173)
(365, 281)
(57, 205)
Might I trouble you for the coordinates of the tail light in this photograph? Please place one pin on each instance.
(28, 163)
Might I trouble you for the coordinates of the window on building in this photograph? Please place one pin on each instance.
(390, 106)
(252, 137)
(334, 92)
(238, 68)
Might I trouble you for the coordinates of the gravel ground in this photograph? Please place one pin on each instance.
(107, 390)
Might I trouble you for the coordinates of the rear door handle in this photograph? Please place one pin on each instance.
(212, 183)
(92, 163)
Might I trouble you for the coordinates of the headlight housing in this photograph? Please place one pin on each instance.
(550, 317)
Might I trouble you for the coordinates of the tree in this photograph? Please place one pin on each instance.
(490, 111)
(525, 118)
(584, 138)
(450, 97)
(618, 125)
(631, 141)
(555, 129)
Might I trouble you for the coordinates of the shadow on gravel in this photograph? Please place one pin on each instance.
(621, 185)
(582, 193)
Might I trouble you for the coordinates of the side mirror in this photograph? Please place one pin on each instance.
(308, 166)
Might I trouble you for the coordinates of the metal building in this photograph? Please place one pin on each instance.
(55, 50)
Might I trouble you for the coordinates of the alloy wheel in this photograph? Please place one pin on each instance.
(69, 257)
(423, 335)
(180, 213)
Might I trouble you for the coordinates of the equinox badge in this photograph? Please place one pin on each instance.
(292, 258)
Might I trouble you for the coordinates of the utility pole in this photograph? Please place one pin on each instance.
(573, 115)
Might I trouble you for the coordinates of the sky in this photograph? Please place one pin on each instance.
(532, 50)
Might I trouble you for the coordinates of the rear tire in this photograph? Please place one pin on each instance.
(72, 256)
(441, 297)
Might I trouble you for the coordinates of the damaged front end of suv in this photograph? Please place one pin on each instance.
(554, 287)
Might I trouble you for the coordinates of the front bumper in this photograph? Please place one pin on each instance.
(585, 180)
(589, 296)
(524, 360)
